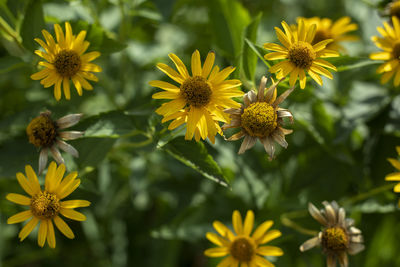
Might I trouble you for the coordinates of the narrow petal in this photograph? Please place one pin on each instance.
(269, 251)
(56, 154)
(43, 157)
(72, 214)
(42, 233)
(71, 135)
(27, 229)
(208, 64)
(164, 85)
(316, 214)
(25, 184)
(71, 204)
(196, 64)
(179, 65)
(90, 56)
(260, 261)
(51, 171)
(270, 235)
(32, 178)
(51, 238)
(18, 199)
(247, 143)
(248, 223)
(217, 240)
(261, 229)
(20, 217)
(69, 120)
(67, 148)
(57, 90)
(315, 241)
(170, 72)
(63, 227)
(237, 222)
(68, 189)
(216, 252)
(223, 230)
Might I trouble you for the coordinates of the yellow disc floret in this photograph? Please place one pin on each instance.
(196, 91)
(259, 119)
(396, 50)
(334, 239)
(67, 63)
(42, 131)
(45, 205)
(302, 55)
(242, 249)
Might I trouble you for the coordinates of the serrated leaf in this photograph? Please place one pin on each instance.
(195, 155)
(32, 24)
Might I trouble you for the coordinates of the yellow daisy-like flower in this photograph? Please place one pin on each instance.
(390, 44)
(300, 54)
(395, 176)
(242, 248)
(200, 99)
(65, 61)
(393, 9)
(46, 206)
(327, 29)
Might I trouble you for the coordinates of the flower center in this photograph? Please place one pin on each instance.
(259, 119)
(67, 63)
(242, 250)
(42, 131)
(301, 54)
(45, 205)
(395, 9)
(396, 50)
(196, 91)
(335, 239)
(321, 35)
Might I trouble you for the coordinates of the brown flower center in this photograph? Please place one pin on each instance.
(67, 63)
(302, 55)
(242, 250)
(395, 9)
(42, 131)
(196, 91)
(396, 50)
(259, 119)
(335, 239)
(45, 205)
(321, 35)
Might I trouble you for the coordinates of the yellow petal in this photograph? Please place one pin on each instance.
(66, 88)
(51, 171)
(179, 65)
(90, 56)
(51, 238)
(380, 56)
(393, 176)
(71, 204)
(216, 252)
(260, 231)
(20, 217)
(57, 90)
(63, 192)
(163, 85)
(276, 55)
(91, 67)
(208, 64)
(25, 184)
(270, 236)
(63, 227)
(217, 240)
(196, 63)
(248, 223)
(19, 199)
(27, 229)
(42, 233)
(170, 72)
(72, 214)
(270, 251)
(32, 178)
(395, 163)
(237, 222)
(223, 230)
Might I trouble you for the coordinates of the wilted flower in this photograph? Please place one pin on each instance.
(338, 236)
(260, 117)
(45, 134)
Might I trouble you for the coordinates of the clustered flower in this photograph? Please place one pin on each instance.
(201, 99)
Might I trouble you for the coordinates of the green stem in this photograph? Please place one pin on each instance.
(366, 195)
(286, 220)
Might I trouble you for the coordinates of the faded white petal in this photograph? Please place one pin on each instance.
(357, 239)
(310, 243)
(68, 148)
(235, 122)
(234, 111)
(342, 217)
(252, 96)
(247, 143)
(280, 139)
(343, 259)
(56, 154)
(330, 261)
(316, 214)
(282, 97)
(260, 94)
(354, 231)
(268, 146)
(236, 136)
(69, 120)
(282, 113)
(349, 222)
(355, 248)
(330, 213)
(43, 156)
(285, 131)
(70, 135)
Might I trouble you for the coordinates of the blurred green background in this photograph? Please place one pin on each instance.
(151, 201)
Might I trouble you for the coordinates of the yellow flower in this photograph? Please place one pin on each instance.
(200, 99)
(240, 247)
(390, 44)
(66, 61)
(300, 55)
(46, 206)
(261, 118)
(393, 9)
(327, 29)
(395, 176)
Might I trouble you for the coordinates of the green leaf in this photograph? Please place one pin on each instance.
(228, 29)
(257, 50)
(249, 57)
(92, 150)
(32, 24)
(9, 63)
(344, 63)
(195, 155)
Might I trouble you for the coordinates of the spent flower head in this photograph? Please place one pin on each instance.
(338, 236)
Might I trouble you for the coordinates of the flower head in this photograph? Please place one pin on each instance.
(65, 61)
(200, 99)
(338, 236)
(392, 9)
(327, 29)
(395, 176)
(242, 248)
(260, 117)
(46, 206)
(45, 134)
(390, 44)
(299, 54)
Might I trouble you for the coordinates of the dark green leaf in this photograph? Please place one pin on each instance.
(32, 24)
(249, 57)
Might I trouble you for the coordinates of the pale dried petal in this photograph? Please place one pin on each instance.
(282, 97)
(56, 154)
(43, 156)
(310, 243)
(342, 217)
(247, 143)
(355, 248)
(261, 88)
(268, 146)
(316, 214)
(330, 213)
(343, 259)
(234, 111)
(70, 135)
(236, 136)
(68, 121)
(68, 148)
(280, 139)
